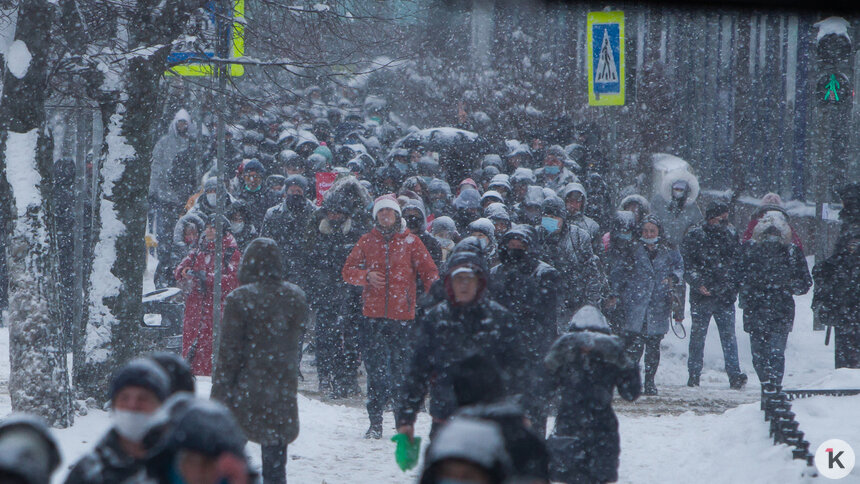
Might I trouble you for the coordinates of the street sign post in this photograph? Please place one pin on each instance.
(192, 58)
(605, 54)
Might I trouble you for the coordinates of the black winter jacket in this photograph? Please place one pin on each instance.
(772, 273)
(447, 335)
(711, 257)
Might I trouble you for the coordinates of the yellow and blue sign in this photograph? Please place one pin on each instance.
(193, 61)
(605, 47)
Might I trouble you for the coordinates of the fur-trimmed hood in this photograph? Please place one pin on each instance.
(351, 191)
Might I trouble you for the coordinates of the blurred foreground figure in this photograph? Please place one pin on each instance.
(480, 394)
(28, 452)
(196, 441)
(467, 451)
(256, 374)
(137, 391)
(585, 366)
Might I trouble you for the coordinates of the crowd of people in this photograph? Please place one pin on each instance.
(484, 285)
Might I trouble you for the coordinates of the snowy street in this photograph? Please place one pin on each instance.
(708, 434)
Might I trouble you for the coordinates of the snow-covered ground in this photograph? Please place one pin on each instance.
(684, 435)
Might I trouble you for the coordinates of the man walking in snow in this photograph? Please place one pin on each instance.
(711, 252)
(387, 262)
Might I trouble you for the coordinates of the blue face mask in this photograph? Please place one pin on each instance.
(624, 236)
(552, 169)
(403, 167)
(549, 223)
(650, 241)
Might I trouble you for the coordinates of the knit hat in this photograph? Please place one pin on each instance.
(386, 201)
(715, 209)
(142, 373)
(297, 180)
(254, 165)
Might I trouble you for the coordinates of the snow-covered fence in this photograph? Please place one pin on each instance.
(784, 427)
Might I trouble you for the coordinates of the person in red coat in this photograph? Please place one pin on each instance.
(196, 275)
(387, 262)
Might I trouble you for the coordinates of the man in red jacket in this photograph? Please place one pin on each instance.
(387, 262)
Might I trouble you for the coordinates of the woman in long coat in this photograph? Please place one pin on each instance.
(646, 296)
(196, 275)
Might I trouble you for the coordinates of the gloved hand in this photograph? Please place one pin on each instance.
(406, 453)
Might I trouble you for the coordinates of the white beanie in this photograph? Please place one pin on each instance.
(386, 201)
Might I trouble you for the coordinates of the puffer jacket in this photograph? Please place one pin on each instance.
(402, 258)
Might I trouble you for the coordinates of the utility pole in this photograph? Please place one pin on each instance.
(83, 136)
(224, 31)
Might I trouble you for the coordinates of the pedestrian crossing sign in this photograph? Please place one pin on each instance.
(190, 57)
(605, 54)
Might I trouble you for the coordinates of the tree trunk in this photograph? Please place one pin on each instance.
(39, 381)
(129, 109)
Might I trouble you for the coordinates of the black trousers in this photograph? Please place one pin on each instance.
(847, 342)
(385, 349)
(637, 343)
(274, 463)
(336, 350)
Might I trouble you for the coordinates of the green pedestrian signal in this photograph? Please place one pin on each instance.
(832, 89)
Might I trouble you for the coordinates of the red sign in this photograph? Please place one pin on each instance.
(324, 181)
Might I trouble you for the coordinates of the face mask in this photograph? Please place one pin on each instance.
(724, 223)
(650, 241)
(211, 198)
(549, 223)
(401, 166)
(676, 194)
(623, 236)
(131, 425)
(236, 227)
(415, 224)
(438, 205)
(516, 255)
(294, 201)
(552, 170)
(773, 238)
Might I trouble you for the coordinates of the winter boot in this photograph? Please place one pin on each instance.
(693, 381)
(649, 389)
(374, 432)
(738, 382)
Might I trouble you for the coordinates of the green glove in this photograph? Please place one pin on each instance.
(406, 453)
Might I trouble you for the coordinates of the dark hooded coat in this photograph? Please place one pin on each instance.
(256, 375)
(585, 366)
